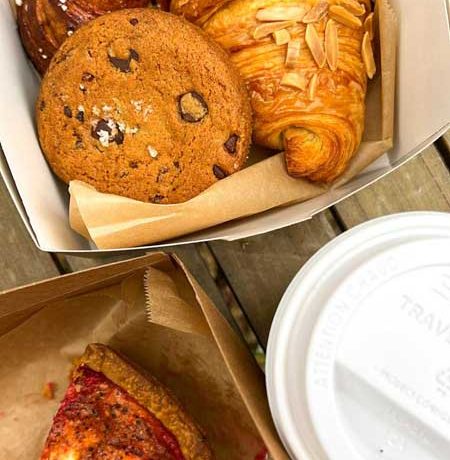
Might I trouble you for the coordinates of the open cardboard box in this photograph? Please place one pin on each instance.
(152, 311)
(422, 115)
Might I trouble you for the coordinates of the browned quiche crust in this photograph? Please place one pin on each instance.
(151, 394)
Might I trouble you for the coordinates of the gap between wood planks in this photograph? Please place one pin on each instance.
(247, 278)
(443, 147)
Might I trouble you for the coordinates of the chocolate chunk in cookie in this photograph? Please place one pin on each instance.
(87, 76)
(124, 64)
(106, 132)
(219, 172)
(67, 111)
(80, 116)
(231, 144)
(157, 198)
(192, 107)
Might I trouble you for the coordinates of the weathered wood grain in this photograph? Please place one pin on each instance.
(247, 278)
(421, 184)
(20, 261)
(443, 145)
(259, 269)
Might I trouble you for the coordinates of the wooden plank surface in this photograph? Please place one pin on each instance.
(20, 261)
(259, 269)
(247, 278)
(421, 184)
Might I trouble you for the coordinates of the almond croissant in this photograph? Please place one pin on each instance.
(306, 65)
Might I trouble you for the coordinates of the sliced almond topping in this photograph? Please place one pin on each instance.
(294, 80)
(367, 55)
(263, 30)
(281, 13)
(314, 45)
(353, 6)
(293, 53)
(331, 44)
(342, 15)
(281, 37)
(316, 13)
(312, 87)
(368, 25)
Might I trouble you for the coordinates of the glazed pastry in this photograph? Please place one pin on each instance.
(134, 114)
(45, 24)
(111, 410)
(306, 65)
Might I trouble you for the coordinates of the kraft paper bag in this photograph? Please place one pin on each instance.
(151, 310)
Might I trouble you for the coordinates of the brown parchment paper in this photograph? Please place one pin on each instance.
(112, 221)
(187, 345)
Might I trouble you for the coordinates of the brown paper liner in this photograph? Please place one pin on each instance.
(116, 222)
(188, 346)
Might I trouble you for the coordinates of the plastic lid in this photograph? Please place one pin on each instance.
(358, 362)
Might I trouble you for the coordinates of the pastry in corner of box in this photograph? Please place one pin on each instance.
(45, 24)
(306, 65)
(112, 410)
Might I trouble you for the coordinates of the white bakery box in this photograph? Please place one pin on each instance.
(422, 115)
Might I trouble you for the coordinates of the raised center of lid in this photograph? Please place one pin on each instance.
(378, 367)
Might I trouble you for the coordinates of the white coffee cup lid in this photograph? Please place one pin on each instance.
(358, 361)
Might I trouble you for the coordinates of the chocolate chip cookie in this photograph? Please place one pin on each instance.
(142, 104)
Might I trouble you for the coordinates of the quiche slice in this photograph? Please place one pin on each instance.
(113, 411)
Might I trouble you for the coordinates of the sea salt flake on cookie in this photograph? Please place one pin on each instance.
(152, 151)
(137, 105)
(103, 137)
